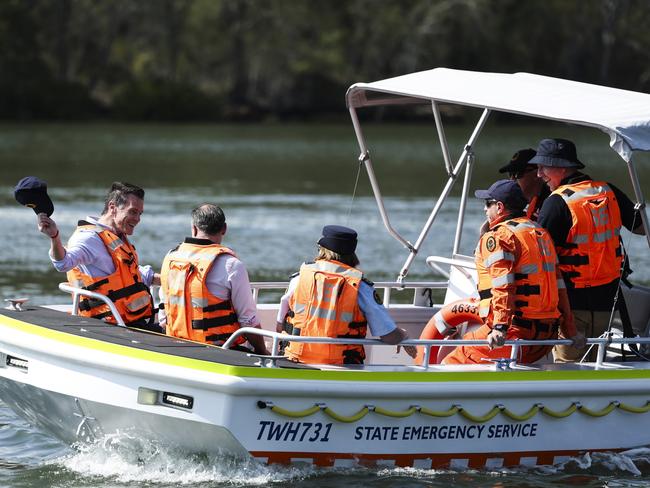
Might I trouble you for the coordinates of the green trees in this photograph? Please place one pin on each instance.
(255, 59)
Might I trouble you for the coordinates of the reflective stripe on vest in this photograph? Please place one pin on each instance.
(498, 256)
(193, 312)
(324, 304)
(130, 296)
(592, 256)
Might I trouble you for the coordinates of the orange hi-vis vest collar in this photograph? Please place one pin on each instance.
(592, 255)
(124, 286)
(516, 264)
(324, 304)
(192, 311)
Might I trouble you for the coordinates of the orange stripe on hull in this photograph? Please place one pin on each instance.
(432, 461)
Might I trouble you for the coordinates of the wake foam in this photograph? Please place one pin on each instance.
(127, 458)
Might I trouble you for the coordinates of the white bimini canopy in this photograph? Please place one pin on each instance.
(623, 115)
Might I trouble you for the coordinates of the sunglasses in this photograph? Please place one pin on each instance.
(489, 203)
(519, 174)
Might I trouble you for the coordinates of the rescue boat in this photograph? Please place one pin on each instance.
(81, 379)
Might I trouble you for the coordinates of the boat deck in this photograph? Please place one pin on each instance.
(159, 343)
(135, 338)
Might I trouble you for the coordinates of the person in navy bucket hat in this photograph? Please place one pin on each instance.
(330, 297)
(32, 192)
(584, 218)
(559, 153)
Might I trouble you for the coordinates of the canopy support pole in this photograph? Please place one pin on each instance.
(443, 196)
(463, 200)
(639, 198)
(364, 158)
(441, 135)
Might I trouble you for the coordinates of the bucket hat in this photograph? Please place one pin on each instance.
(558, 153)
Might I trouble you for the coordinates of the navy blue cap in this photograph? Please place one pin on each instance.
(506, 191)
(339, 239)
(558, 153)
(32, 192)
(519, 161)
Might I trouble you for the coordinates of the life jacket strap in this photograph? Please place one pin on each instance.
(541, 325)
(204, 324)
(353, 356)
(527, 290)
(88, 304)
(578, 260)
(225, 305)
(97, 284)
(357, 325)
(485, 294)
(127, 291)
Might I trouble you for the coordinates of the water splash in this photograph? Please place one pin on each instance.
(125, 458)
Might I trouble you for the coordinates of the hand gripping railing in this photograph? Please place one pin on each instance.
(502, 363)
(77, 292)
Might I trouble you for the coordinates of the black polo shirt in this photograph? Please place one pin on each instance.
(556, 218)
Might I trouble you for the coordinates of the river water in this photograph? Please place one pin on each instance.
(278, 185)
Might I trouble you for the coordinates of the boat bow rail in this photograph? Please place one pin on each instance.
(504, 363)
(79, 292)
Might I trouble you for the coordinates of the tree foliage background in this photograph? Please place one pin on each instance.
(261, 59)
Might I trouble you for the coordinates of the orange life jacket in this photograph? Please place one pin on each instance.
(324, 304)
(534, 278)
(192, 311)
(124, 287)
(592, 255)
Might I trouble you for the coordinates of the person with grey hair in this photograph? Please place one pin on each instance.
(100, 258)
(584, 218)
(205, 288)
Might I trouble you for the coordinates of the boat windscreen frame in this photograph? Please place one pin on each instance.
(465, 162)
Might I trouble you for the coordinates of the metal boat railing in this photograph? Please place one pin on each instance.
(77, 292)
(276, 337)
(386, 287)
(502, 363)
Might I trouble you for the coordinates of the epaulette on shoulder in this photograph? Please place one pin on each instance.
(371, 283)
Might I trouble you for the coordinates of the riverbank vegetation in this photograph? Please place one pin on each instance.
(255, 60)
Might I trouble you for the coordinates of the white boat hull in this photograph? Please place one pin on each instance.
(80, 389)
